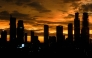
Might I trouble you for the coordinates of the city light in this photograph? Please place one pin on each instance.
(22, 46)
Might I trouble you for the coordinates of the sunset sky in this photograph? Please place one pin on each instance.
(36, 13)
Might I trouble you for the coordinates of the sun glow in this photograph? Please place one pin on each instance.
(41, 38)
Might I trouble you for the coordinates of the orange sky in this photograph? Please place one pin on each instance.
(36, 13)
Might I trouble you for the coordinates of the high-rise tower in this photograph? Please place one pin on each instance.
(77, 28)
(85, 29)
(46, 35)
(20, 31)
(12, 28)
(59, 35)
(70, 33)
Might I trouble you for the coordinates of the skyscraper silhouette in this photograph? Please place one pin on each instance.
(12, 32)
(85, 29)
(12, 28)
(46, 34)
(59, 35)
(20, 32)
(70, 33)
(32, 36)
(4, 36)
(3, 40)
(77, 29)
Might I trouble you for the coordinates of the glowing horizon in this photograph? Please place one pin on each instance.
(36, 13)
(41, 38)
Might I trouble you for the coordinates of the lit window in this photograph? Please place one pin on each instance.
(22, 46)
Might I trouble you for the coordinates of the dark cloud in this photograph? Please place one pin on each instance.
(0, 6)
(37, 6)
(17, 0)
(8, 0)
(69, 1)
(69, 16)
(21, 2)
(86, 8)
(20, 15)
(75, 5)
(67, 5)
(5, 15)
(65, 1)
(29, 22)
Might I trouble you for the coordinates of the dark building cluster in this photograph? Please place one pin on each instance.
(77, 44)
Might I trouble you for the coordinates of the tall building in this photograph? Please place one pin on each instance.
(59, 34)
(12, 28)
(85, 29)
(70, 33)
(20, 32)
(46, 34)
(77, 28)
(4, 36)
(32, 36)
(3, 40)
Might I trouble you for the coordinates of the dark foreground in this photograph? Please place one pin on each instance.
(46, 52)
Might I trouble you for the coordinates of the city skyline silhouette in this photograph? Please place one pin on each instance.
(61, 28)
(79, 43)
(36, 13)
(28, 34)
